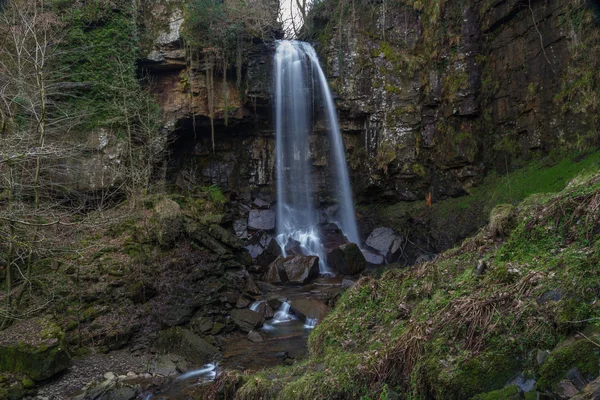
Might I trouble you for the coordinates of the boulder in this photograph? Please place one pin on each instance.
(372, 258)
(243, 302)
(266, 287)
(33, 347)
(387, 242)
(301, 269)
(261, 219)
(355, 260)
(276, 273)
(247, 320)
(186, 344)
(346, 259)
(263, 248)
(264, 310)
(310, 308)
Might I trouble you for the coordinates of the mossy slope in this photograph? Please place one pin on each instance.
(443, 331)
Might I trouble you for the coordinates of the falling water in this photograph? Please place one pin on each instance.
(283, 314)
(254, 306)
(298, 75)
(310, 323)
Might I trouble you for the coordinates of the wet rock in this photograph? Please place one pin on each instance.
(387, 242)
(275, 302)
(346, 259)
(276, 273)
(264, 310)
(310, 308)
(261, 220)
(185, 343)
(32, 348)
(263, 248)
(267, 287)
(347, 283)
(255, 336)
(247, 320)
(301, 269)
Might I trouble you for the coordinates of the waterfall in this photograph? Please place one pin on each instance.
(299, 80)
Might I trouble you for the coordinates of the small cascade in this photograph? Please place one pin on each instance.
(254, 306)
(310, 323)
(299, 83)
(207, 373)
(283, 314)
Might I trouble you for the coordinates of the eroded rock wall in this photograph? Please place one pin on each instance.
(442, 91)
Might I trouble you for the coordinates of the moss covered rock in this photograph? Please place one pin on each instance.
(33, 348)
(580, 351)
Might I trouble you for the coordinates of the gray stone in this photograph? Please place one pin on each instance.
(252, 288)
(541, 356)
(387, 242)
(372, 258)
(109, 376)
(261, 204)
(247, 320)
(240, 226)
(261, 219)
(347, 283)
(255, 336)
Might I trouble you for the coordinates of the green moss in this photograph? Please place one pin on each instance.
(507, 393)
(582, 354)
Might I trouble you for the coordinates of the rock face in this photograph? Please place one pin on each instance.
(32, 348)
(301, 269)
(387, 242)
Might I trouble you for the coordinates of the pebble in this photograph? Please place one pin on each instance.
(109, 376)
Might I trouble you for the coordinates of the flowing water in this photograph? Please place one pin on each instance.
(300, 84)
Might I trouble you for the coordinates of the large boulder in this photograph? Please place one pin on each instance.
(301, 269)
(310, 308)
(185, 343)
(33, 348)
(261, 219)
(247, 320)
(263, 248)
(276, 273)
(387, 242)
(346, 259)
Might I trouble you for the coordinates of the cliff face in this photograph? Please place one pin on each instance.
(430, 94)
(439, 91)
